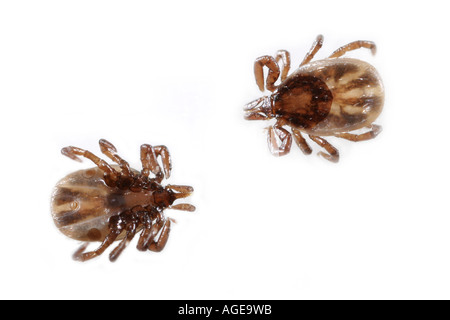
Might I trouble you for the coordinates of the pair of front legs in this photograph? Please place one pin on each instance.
(280, 141)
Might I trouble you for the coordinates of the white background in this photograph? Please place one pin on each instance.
(374, 226)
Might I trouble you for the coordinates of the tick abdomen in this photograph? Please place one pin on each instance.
(357, 94)
(82, 204)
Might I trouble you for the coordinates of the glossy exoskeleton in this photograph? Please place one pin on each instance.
(329, 97)
(114, 202)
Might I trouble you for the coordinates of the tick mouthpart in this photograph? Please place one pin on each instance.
(255, 116)
(183, 207)
(259, 109)
(182, 195)
(180, 192)
(181, 189)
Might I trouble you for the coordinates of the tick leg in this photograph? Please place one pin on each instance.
(150, 163)
(80, 250)
(312, 52)
(333, 153)
(73, 152)
(148, 220)
(110, 238)
(274, 72)
(163, 152)
(111, 152)
(353, 46)
(301, 142)
(279, 141)
(159, 245)
(375, 130)
(131, 232)
(284, 56)
(147, 235)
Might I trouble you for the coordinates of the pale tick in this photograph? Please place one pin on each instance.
(114, 202)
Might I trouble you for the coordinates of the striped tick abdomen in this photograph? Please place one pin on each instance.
(330, 96)
(82, 204)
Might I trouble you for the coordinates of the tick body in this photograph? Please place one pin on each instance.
(329, 97)
(115, 202)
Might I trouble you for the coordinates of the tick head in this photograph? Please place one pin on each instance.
(180, 192)
(259, 109)
(163, 197)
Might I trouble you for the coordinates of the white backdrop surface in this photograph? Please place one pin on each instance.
(374, 226)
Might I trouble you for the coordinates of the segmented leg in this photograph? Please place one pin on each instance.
(312, 52)
(163, 152)
(375, 130)
(285, 57)
(279, 141)
(274, 72)
(147, 235)
(80, 251)
(150, 163)
(148, 220)
(159, 245)
(301, 142)
(73, 152)
(333, 153)
(111, 152)
(131, 232)
(353, 46)
(149, 159)
(110, 238)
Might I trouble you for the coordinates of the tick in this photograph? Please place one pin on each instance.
(115, 202)
(329, 97)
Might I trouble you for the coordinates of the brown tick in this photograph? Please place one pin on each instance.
(329, 97)
(114, 202)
